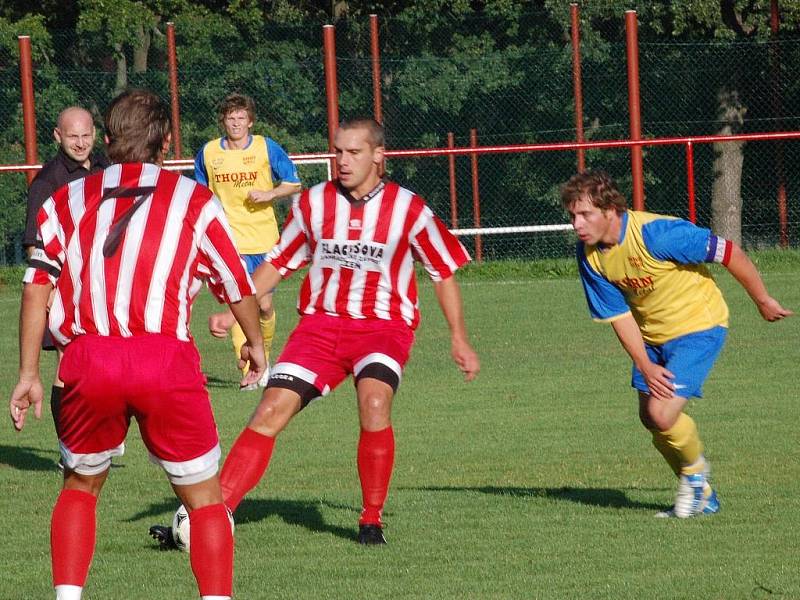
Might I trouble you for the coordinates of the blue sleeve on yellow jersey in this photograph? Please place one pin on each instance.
(283, 169)
(605, 300)
(676, 240)
(200, 173)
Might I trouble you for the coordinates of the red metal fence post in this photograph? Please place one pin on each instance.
(777, 109)
(476, 195)
(172, 60)
(634, 107)
(375, 51)
(690, 181)
(376, 67)
(331, 88)
(451, 164)
(577, 86)
(28, 105)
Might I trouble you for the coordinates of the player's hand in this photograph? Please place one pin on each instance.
(219, 324)
(254, 357)
(27, 393)
(259, 197)
(659, 381)
(771, 310)
(466, 359)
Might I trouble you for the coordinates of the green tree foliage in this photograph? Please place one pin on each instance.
(502, 67)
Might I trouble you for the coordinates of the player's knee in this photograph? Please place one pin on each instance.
(270, 417)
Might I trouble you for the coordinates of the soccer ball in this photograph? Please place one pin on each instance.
(180, 527)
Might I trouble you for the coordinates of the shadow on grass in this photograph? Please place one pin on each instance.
(293, 512)
(216, 382)
(27, 458)
(602, 497)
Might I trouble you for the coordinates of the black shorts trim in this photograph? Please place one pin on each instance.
(305, 390)
(382, 373)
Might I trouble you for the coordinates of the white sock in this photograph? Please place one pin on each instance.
(216, 598)
(68, 592)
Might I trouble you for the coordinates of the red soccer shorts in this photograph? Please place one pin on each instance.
(323, 350)
(153, 378)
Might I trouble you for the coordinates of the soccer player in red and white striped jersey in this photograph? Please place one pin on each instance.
(127, 250)
(359, 309)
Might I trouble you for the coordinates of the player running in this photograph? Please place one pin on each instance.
(127, 250)
(358, 307)
(248, 173)
(643, 273)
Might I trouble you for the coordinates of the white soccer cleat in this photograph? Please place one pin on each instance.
(695, 497)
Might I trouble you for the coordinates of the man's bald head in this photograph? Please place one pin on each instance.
(75, 133)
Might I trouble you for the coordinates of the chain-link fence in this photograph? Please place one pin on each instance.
(510, 81)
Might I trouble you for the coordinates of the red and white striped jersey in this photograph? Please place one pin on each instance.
(362, 254)
(127, 250)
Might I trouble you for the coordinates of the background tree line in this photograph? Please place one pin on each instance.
(500, 66)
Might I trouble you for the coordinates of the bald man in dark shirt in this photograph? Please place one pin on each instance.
(75, 135)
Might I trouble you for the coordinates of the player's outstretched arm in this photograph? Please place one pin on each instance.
(282, 190)
(658, 378)
(32, 321)
(449, 295)
(745, 272)
(246, 313)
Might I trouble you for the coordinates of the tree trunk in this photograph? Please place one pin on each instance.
(726, 191)
(141, 49)
(122, 69)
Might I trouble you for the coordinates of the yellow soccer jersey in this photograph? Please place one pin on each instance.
(655, 273)
(232, 173)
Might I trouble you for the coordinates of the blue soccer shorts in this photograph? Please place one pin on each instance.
(689, 358)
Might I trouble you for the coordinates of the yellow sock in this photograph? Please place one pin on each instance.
(680, 446)
(238, 338)
(268, 332)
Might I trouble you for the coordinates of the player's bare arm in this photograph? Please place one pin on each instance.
(32, 322)
(658, 378)
(283, 190)
(246, 313)
(449, 296)
(266, 278)
(745, 272)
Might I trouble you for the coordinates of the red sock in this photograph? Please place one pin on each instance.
(72, 534)
(245, 465)
(375, 462)
(211, 550)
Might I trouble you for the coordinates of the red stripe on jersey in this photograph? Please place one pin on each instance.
(381, 236)
(415, 207)
(328, 212)
(305, 211)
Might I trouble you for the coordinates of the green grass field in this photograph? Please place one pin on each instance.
(534, 481)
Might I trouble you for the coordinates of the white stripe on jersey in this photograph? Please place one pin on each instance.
(156, 295)
(315, 276)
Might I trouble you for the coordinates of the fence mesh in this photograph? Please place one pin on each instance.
(508, 79)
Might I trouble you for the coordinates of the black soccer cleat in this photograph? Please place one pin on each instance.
(163, 535)
(370, 535)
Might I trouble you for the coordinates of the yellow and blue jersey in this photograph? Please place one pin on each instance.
(232, 173)
(655, 273)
